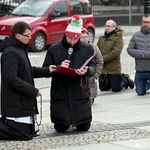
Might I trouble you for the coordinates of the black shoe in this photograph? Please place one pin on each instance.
(61, 128)
(126, 86)
(83, 127)
(124, 83)
(92, 100)
(130, 82)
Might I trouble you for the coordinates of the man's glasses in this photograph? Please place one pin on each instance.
(108, 26)
(147, 22)
(27, 35)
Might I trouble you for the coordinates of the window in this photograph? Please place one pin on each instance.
(26, 8)
(87, 8)
(76, 7)
(61, 9)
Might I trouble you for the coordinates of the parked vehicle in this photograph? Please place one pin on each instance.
(120, 2)
(48, 19)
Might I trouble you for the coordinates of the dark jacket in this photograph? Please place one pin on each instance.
(18, 94)
(70, 103)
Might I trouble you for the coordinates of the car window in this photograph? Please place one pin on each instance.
(26, 8)
(76, 7)
(87, 8)
(60, 10)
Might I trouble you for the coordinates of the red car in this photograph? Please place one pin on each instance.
(48, 19)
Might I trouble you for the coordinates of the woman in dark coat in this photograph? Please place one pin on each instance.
(70, 96)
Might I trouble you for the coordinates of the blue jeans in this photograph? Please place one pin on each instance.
(142, 82)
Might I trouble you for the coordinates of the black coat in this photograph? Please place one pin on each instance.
(70, 103)
(18, 94)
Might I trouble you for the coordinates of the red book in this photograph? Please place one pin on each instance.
(70, 71)
(66, 71)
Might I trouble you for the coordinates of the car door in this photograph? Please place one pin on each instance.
(58, 21)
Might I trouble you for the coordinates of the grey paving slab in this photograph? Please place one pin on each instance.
(105, 146)
(141, 144)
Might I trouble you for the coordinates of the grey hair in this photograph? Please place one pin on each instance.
(114, 23)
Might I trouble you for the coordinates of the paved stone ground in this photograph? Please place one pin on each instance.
(99, 133)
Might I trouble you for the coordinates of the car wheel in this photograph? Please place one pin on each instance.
(38, 42)
(91, 35)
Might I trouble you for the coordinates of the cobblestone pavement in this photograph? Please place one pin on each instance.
(99, 133)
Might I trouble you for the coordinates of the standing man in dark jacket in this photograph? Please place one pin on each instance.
(18, 94)
(70, 96)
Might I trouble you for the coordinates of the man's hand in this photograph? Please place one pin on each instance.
(82, 71)
(65, 63)
(39, 94)
(52, 68)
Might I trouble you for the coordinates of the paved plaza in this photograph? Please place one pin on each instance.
(121, 121)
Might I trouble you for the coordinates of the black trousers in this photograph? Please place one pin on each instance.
(11, 130)
(110, 81)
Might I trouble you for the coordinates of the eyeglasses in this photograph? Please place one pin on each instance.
(147, 22)
(27, 35)
(108, 26)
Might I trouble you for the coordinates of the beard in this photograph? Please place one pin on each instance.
(145, 29)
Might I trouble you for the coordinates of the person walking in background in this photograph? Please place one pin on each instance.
(139, 49)
(111, 45)
(18, 94)
(70, 100)
(99, 65)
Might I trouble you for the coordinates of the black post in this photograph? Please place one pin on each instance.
(146, 6)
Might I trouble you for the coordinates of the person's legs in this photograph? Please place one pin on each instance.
(4, 131)
(83, 127)
(147, 85)
(124, 83)
(115, 80)
(148, 80)
(104, 84)
(59, 127)
(11, 130)
(140, 83)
